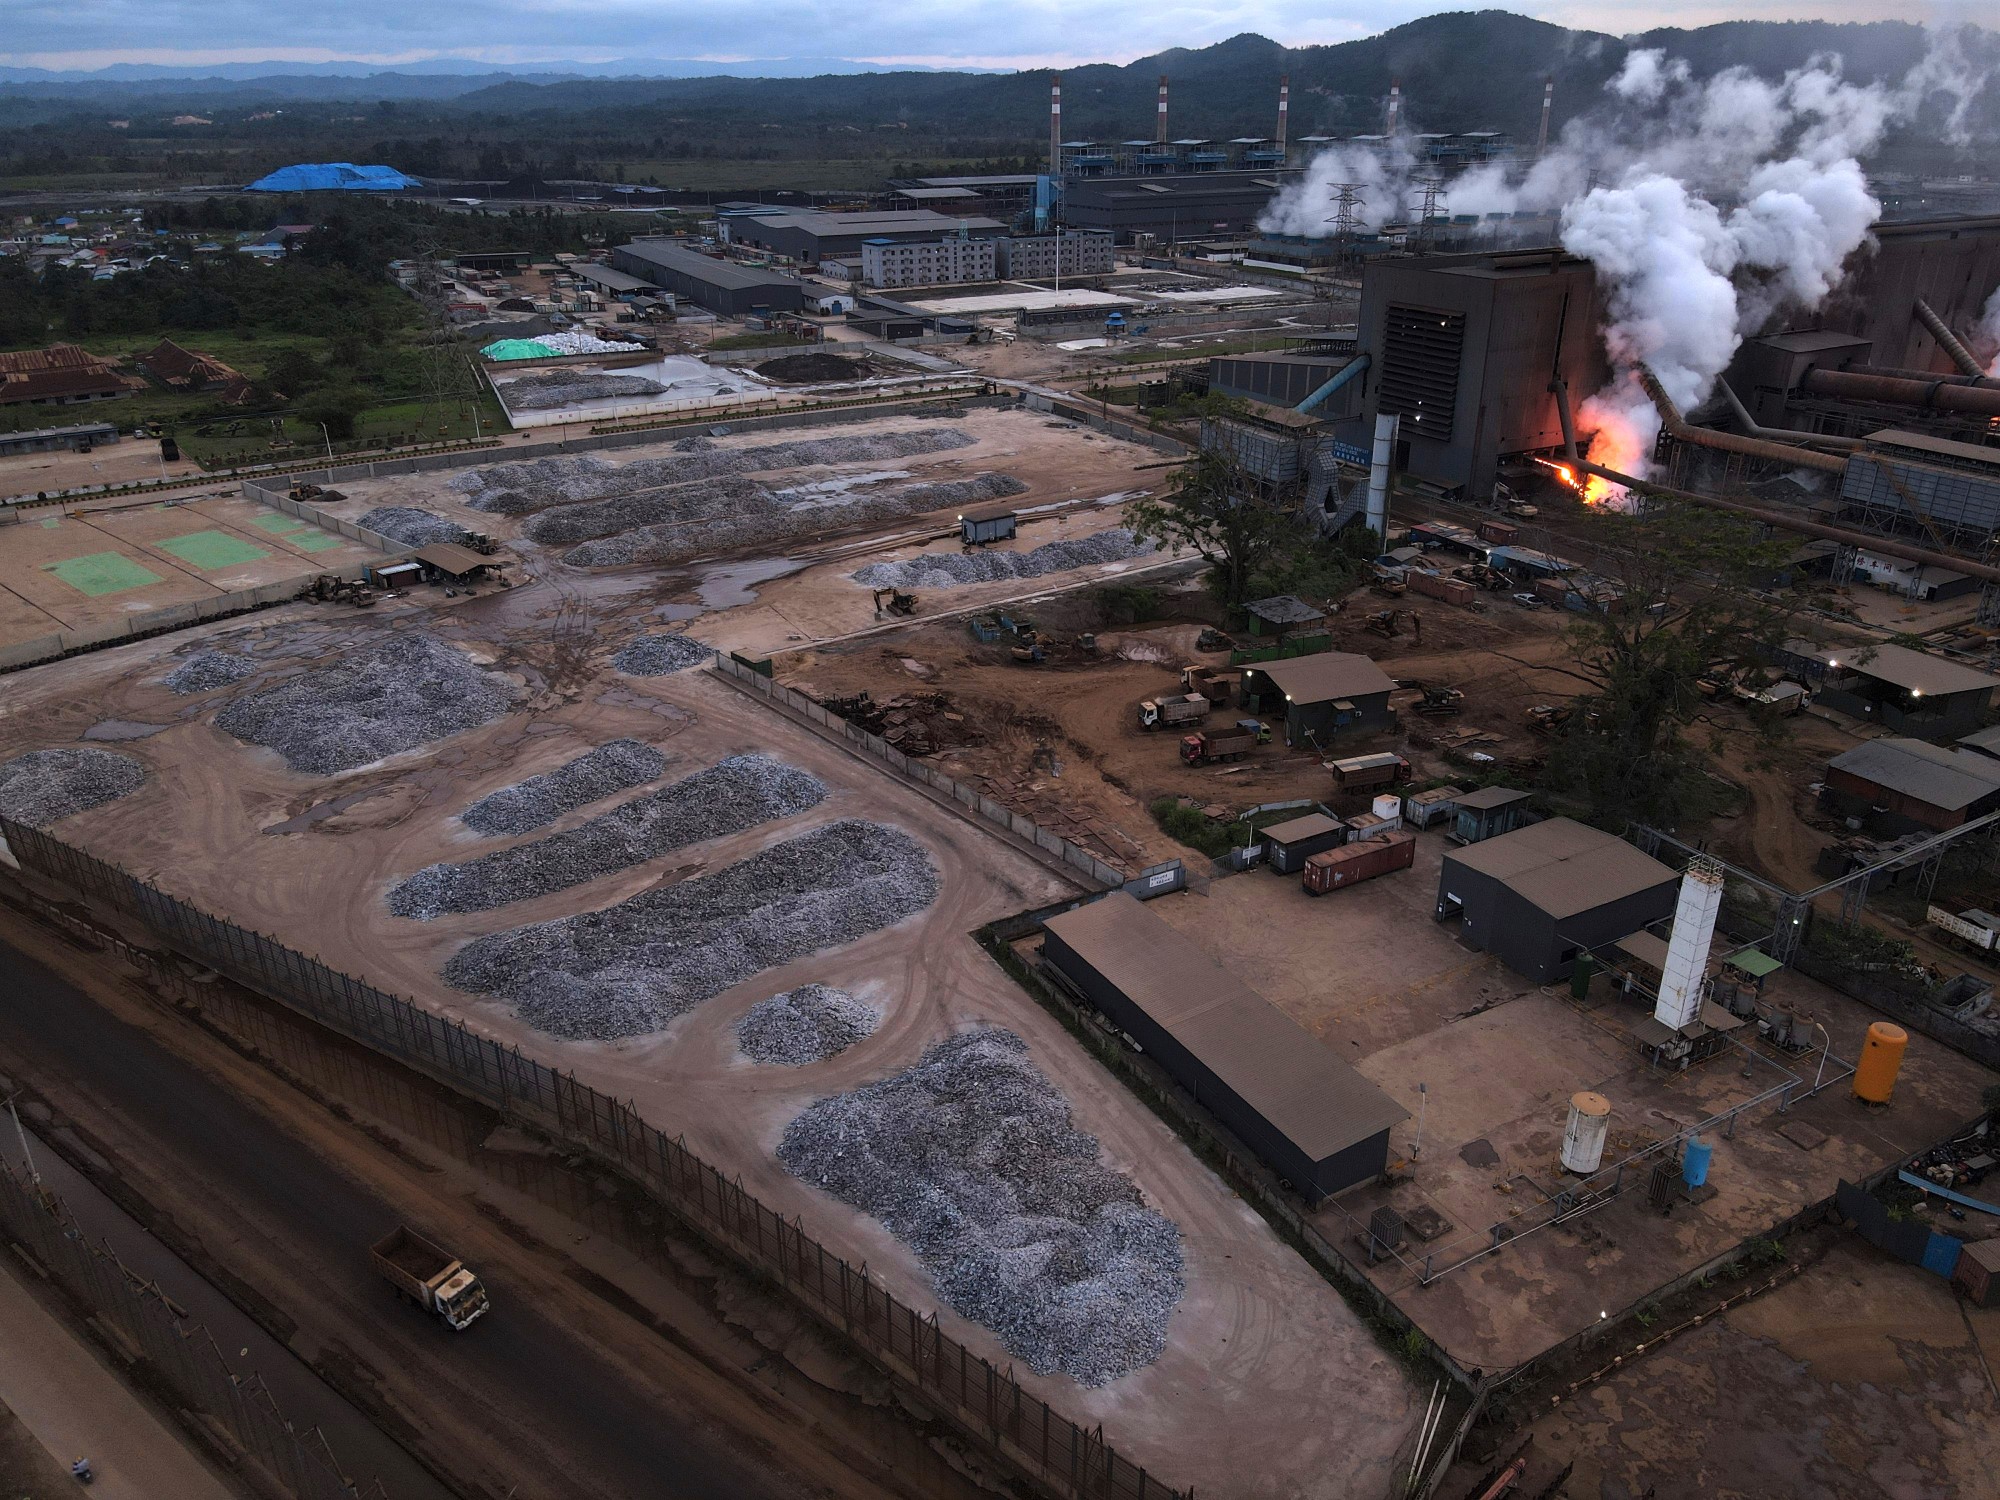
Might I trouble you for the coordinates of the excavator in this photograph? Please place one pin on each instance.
(897, 602)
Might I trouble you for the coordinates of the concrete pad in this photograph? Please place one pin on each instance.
(210, 551)
(98, 573)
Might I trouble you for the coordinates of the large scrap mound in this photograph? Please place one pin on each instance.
(950, 570)
(411, 526)
(401, 692)
(633, 967)
(729, 796)
(517, 489)
(970, 1158)
(45, 786)
(205, 671)
(805, 1025)
(530, 804)
(657, 655)
(700, 519)
(814, 369)
(567, 387)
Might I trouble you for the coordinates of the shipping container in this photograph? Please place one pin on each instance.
(1501, 533)
(1362, 860)
(1437, 586)
(1297, 840)
(1364, 825)
(1421, 809)
(1360, 773)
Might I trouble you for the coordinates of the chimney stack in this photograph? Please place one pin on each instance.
(1684, 980)
(1284, 108)
(1055, 126)
(1548, 99)
(1395, 108)
(1160, 116)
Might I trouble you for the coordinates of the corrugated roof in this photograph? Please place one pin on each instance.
(717, 273)
(1899, 666)
(1490, 797)
(1327, 675)
(1918, 442)
(1563, 867)
(1986, 741)
(1948, 779)
(1284, 609)
(1294, 829)
(1295, 1081)
(452, 558)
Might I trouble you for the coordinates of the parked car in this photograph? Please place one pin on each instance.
(1529, 601)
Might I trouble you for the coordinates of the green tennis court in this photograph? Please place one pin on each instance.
(205, 551)
(98, 573)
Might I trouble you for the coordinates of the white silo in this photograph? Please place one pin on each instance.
(1583, 1137)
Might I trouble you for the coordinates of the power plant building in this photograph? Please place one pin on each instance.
(812, 237)
(1191, 206)
(1541, 895)
(1281, 1090)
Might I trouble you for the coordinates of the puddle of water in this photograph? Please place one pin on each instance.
(730, 585)
(676, 613)
(121, 729)
(321, 812)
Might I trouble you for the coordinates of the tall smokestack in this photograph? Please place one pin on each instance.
(1055, 126)
(1685, 975)
(1548, 99)
(1160, 115)
(1284, 108)
(1395, 108)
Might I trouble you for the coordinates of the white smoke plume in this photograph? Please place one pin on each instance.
(1988, 334)
(1707, 206)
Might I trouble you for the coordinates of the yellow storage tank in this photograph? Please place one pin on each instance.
(1881, 1060)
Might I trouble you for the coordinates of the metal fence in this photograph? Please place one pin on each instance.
(1077, 860)
(984, 1403)
(183, 1354)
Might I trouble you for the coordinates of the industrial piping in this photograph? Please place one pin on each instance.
(1978, 382)
(1928, 395)
(1779, 435)
(1948, 341)
(1729, 442)
(1798, 525)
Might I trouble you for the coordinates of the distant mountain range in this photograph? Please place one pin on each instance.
(1458, 71)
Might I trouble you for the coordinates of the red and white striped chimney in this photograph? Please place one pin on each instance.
(1055, 126)
(1284, 108)
(1160, 116)
(1395, 108)
(1548, 99)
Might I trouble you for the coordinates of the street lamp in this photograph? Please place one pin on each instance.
(1823, 1051)
(329, 441)
(1423, 1102)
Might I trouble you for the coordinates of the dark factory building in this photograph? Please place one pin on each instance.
(1283, 1092)
(1911, 692)
(1539, 896)
(1170, 207)
(1461, 349)
(1319, 696)
(721, 286)
(1898, 786)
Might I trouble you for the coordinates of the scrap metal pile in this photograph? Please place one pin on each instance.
(805, 1025)
(970, 1158)
(632, 968)
(947, 570)
(727, 797)
(540, 800)
(403, 691)
(45, 786)
(411, 526)
(205, 671)
(657, 655)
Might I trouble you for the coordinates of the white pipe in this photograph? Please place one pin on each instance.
(1386, 427)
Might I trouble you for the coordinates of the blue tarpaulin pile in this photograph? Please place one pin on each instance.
(331, 177)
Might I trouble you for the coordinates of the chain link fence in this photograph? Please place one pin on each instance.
(181, 1354)
(985, 1404)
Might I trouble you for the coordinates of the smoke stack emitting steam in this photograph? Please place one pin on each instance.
(1542, 137)
(1160, 115)
(1395, 109)
(1639, 186)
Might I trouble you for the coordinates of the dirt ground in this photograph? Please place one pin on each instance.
(239, 545)
(1256, 1342)
(1860, 1379)
(128, 461)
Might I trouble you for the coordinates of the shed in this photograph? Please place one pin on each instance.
(1283, 615)
(448, 560)
(1903, 785)
(1286, 1094)
(1297, 840)
(1319, 696)
(1539, 896)
(1908, 692)
(398, 575)
(988, 523)
(1489, 812)
(1438, 805)
(1977, 1273)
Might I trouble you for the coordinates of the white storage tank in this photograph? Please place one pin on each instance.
(1389, 806)
(1583, 1137)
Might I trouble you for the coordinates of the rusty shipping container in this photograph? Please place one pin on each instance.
(1500, 533)
(1363, 860)
(1555, 590)
(1437, 586)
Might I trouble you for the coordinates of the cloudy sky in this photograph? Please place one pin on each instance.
(1015, 33)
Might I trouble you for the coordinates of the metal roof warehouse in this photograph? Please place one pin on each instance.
(720, 286)
(1281, 1090)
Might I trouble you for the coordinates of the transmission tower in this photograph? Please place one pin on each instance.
(1431, 191)
(449, 387)
(1346, 216)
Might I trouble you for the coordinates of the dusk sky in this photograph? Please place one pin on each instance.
(1029, 33)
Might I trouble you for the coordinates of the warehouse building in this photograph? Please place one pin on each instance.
(721, 286)
(1287, 380)
(79, 439)
(1172, 208)
(1318, 697)
(1909, 692)
(887, 262)
(1902, 786)
(811, 237)
(1313, 1119)
(1539, 896)
(1042, 257)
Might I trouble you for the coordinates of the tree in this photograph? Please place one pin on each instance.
(1694, 607)
(292, 371)
(1216, 507)
(336, 407)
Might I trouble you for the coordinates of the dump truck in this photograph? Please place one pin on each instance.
(428, 1277)
(1203, 748)
(1363, 859)
(1181, 708)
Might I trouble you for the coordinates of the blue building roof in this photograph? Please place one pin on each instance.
(332, 176)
